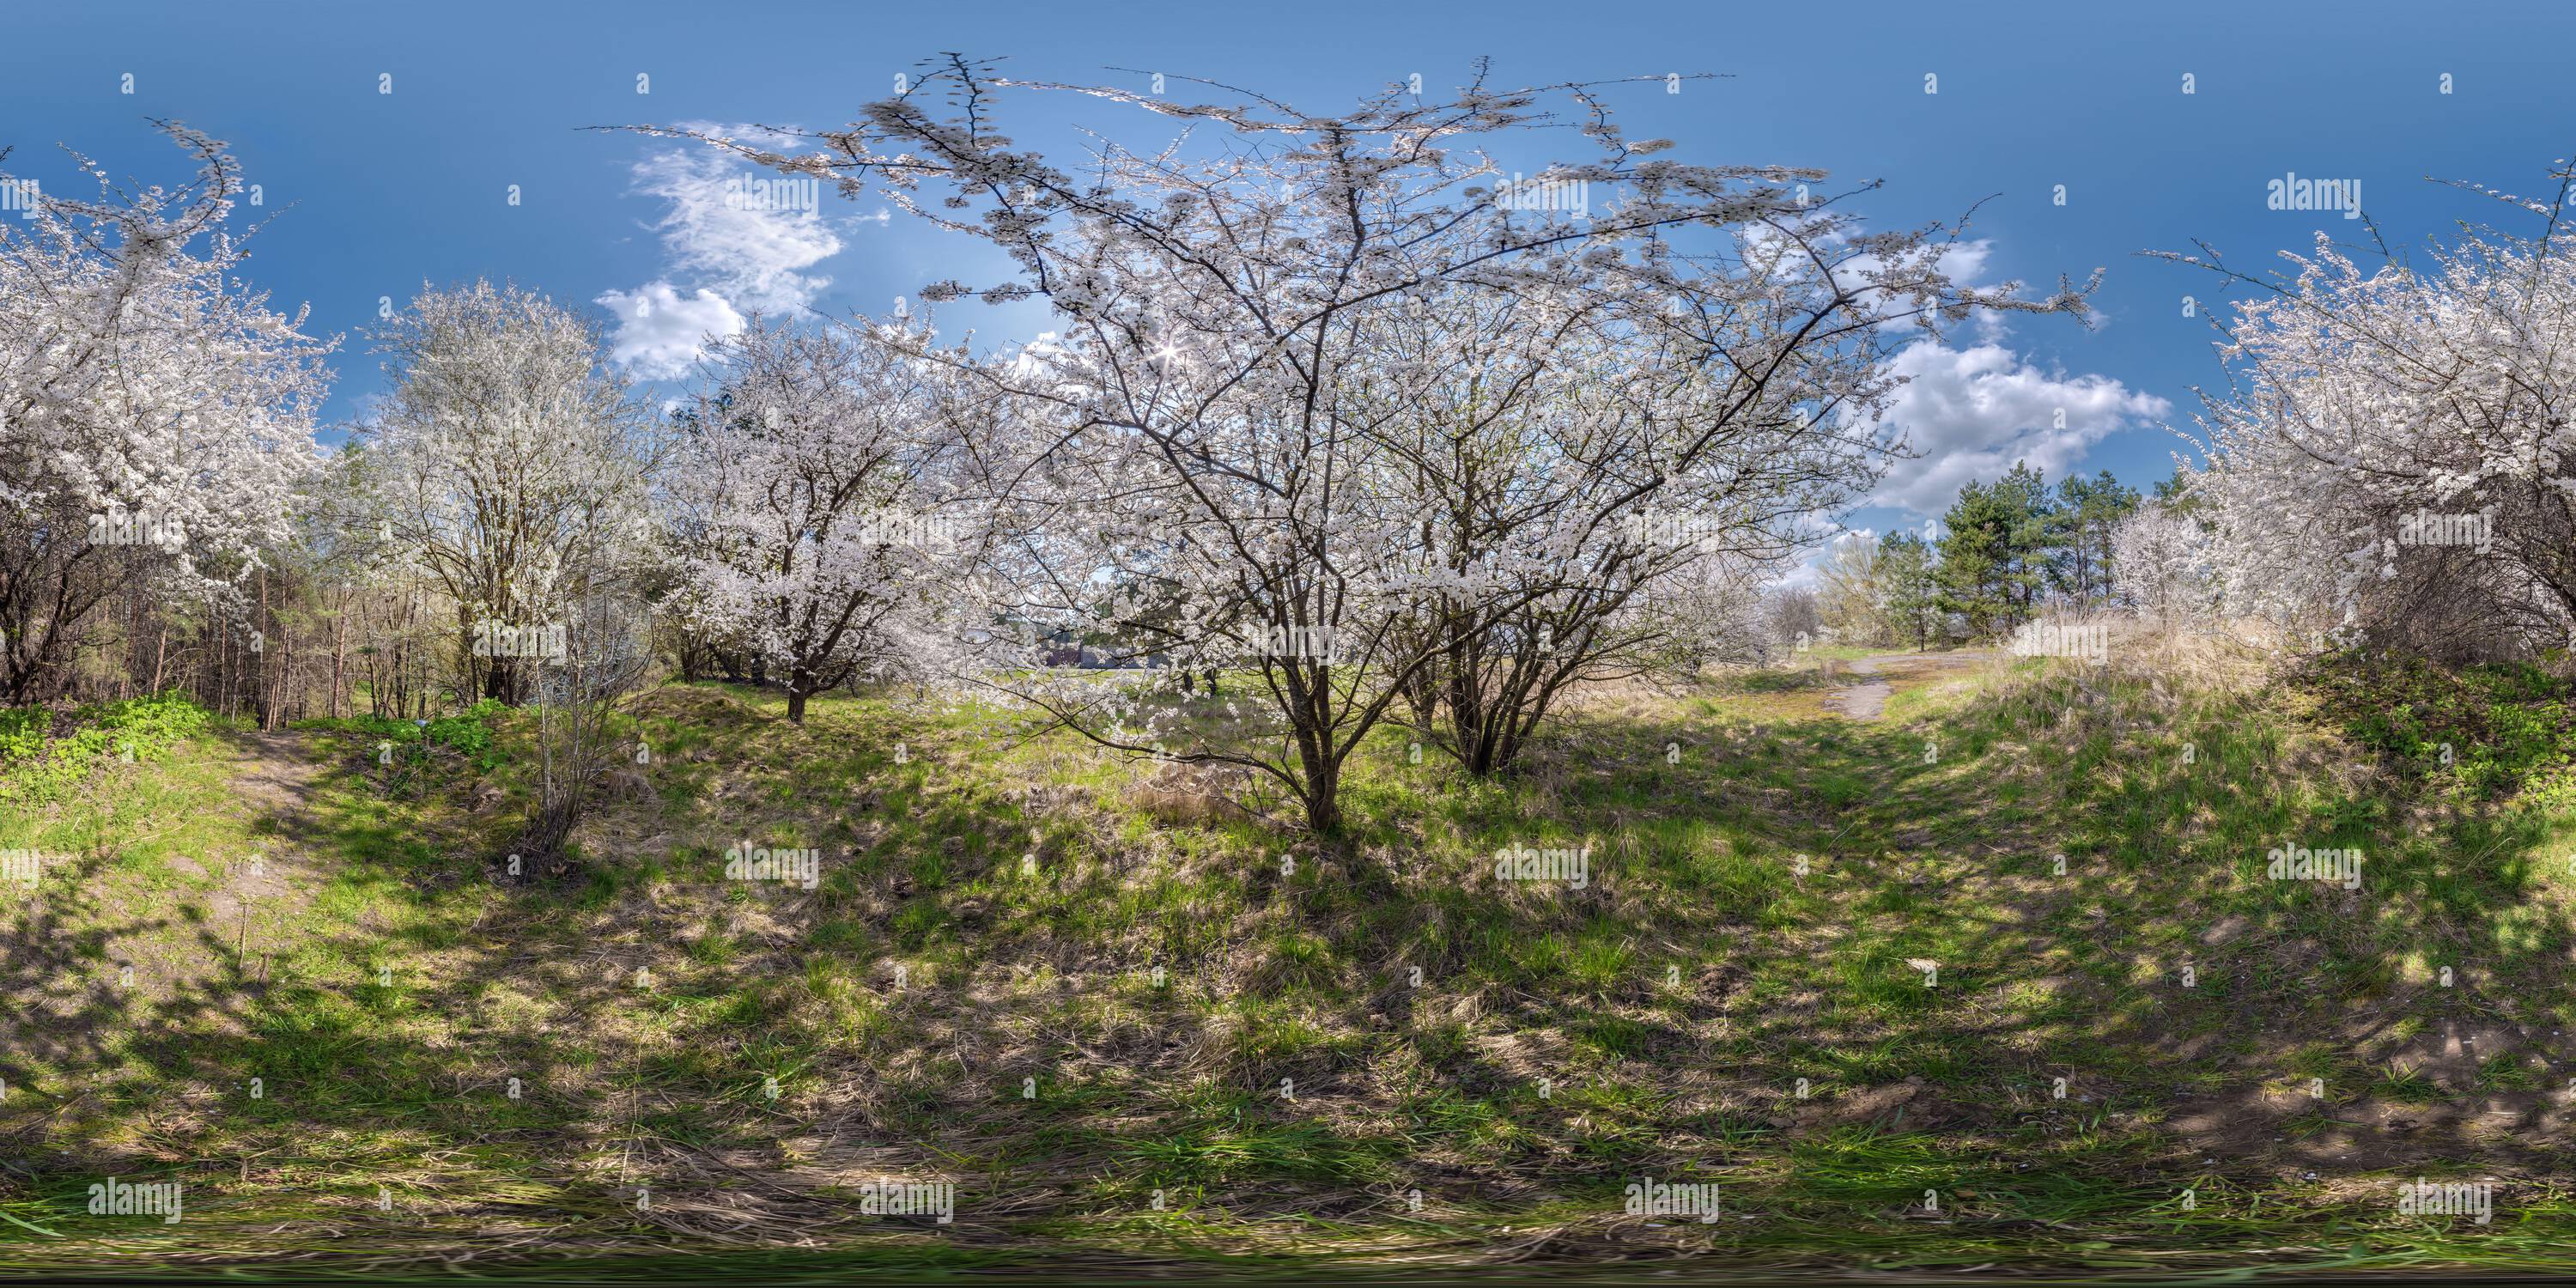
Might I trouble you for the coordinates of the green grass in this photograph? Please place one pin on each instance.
(1014, 976)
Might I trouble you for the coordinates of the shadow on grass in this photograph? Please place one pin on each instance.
(1651, 1022)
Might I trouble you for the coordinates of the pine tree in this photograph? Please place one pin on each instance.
(1909, 588)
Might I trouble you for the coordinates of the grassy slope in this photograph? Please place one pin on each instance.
(1285, 1086)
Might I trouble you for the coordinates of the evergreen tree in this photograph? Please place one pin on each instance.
(1994, 552)
(1909, 588)
(2087, 512)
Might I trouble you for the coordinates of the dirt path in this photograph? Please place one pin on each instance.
(1882, 672)
(273, 779)
(175, 926)
(277, 773)
(1862, 701)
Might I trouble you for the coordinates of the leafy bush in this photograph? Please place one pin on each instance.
(35, 768)
(468, 732)
(22, 733)
(2508, 726)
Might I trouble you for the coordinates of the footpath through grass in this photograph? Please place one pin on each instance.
(2000, 978)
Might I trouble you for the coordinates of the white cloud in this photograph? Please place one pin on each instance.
(1805, 576)
(749, 254)
(1809, 573)
(739, 239)
(1971, 413)
(659, 331)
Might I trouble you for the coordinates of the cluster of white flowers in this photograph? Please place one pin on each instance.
(2366, 399)
(820, 524)
(139, 377)
(1317, 382)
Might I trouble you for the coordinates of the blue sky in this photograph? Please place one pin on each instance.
(375, 193)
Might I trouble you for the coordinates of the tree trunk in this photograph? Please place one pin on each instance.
(339, 658)
(1323, 801)
(278, 714)
(267, 709)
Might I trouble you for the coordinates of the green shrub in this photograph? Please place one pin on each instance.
(22, 734)
(35, 768)
(2507, 727)
(468, 732)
